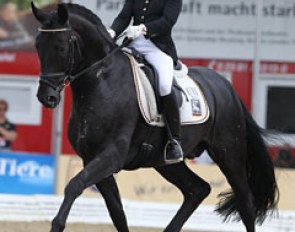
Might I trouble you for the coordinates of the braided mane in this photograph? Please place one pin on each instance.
(84, 12)
(89, 16)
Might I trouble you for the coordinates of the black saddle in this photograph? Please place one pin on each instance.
(153, 78)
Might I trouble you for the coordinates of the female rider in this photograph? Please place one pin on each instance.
(153, 21)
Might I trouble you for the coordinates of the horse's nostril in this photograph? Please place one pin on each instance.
(51, 99)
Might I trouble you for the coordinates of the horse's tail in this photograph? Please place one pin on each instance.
(261, 176)
(260, 173)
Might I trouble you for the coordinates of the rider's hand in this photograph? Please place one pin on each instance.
(112, 33)
(133, 32)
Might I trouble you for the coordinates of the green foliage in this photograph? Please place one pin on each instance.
(25, 4)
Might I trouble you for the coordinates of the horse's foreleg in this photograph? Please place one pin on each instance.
(109, 190)
(193, 188)
(96, 170)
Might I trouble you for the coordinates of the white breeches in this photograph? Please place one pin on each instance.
(162, 63)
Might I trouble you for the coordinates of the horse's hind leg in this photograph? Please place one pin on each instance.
(232, 162)
(109, 190)
(193, 188)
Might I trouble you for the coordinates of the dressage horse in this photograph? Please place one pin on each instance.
(107, 130)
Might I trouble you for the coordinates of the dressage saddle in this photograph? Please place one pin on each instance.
(153, 78)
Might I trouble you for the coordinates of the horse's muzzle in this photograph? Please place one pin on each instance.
(48, 97)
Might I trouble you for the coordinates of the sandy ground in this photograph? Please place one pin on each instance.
(45, 226)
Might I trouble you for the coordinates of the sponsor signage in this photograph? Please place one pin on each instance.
(26, 173)
(224, 29)
(147, 185)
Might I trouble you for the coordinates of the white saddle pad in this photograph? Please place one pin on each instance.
(194, 109)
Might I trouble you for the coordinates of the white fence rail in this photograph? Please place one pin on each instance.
(143, 214)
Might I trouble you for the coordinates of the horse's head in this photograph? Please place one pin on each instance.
(55, 44)
(62, 37)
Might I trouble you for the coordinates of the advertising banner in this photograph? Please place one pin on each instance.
(26, 173)
(224, 29)
(147, 185)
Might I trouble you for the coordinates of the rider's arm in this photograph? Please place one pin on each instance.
(165, 23)
(124, 17)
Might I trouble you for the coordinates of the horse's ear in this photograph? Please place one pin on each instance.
(39, 15)
(62, 13)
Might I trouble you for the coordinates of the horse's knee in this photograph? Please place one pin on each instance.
(74, 188)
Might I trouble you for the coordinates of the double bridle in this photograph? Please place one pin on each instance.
(68, 76)
(73, 43)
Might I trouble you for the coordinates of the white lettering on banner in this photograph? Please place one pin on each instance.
(275, 68)
(10, 167)
(241, 66)
(224, 29)
(229, 66)
(7, 57)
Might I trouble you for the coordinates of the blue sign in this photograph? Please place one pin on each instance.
(26, 173)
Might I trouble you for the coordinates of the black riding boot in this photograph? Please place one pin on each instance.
(173, 152)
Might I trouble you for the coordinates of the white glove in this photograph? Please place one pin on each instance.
(133, 32)
(112, 33)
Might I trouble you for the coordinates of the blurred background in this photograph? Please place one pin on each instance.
(250, 42)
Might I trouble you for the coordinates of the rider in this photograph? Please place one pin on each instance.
(153, 21)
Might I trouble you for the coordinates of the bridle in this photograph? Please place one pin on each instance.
(68, 76)
(73, 45)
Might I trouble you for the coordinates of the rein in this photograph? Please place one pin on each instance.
(69, 77)
(94, 65)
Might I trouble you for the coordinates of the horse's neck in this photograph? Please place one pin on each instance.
(92, 50)
(93, 44)
(105, 80)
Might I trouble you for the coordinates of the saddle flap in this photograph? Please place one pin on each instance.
(194, 109)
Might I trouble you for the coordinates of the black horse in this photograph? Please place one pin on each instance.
(107, 130)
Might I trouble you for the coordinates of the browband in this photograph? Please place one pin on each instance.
(54, 30)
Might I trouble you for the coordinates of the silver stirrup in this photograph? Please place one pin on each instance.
(172, 161)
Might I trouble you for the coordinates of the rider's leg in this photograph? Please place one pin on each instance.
(163, 65)
(171, 113)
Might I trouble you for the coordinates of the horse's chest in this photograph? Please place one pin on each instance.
(82, 133)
